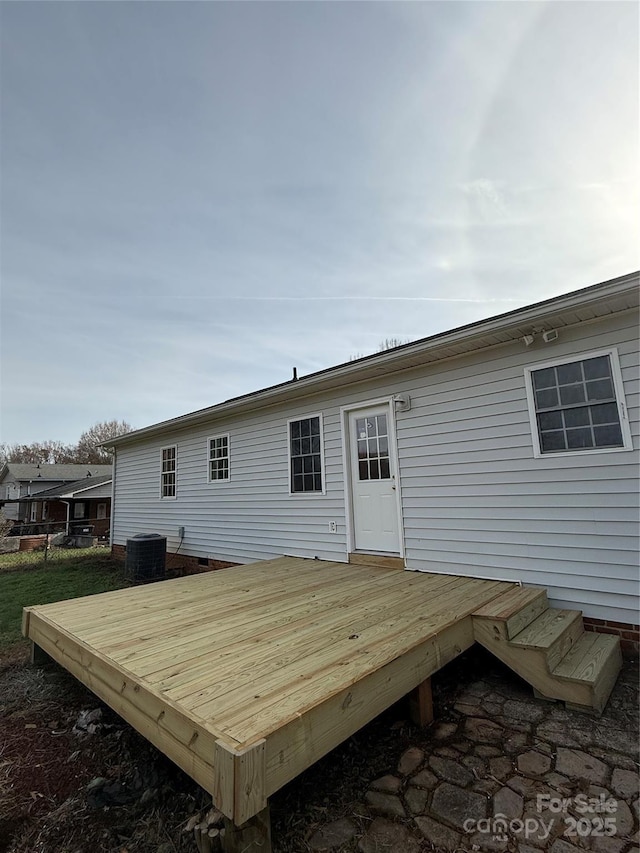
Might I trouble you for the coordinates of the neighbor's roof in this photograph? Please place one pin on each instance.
(68, 473)
(70, 490)
(598, 300)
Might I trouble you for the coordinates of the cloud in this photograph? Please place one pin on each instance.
(487, 200)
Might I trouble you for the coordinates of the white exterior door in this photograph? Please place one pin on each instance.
(373, 481)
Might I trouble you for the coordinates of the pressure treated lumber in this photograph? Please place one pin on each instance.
(517, 608)
(246, 676)
(421, 704)
(370, 560)
(551, 649)
(254, 836)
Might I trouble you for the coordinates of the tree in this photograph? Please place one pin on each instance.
(43, 452)
(85, 452)
(383, 346)
(392, 343)
(87, 449)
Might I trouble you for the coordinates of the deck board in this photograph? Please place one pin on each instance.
(261, 669)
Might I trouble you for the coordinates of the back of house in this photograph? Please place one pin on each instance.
(505, 449)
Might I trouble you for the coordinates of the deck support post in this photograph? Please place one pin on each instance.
(253, 836)
(38, 655)
(421, 704)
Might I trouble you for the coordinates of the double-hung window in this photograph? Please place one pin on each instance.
(578, 405)
(168, 472)
(305, 455)
(218, 458)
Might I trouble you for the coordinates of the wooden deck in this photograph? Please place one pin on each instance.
(245, 677)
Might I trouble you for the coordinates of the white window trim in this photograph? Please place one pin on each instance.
(618, 388)
(45, 510)
(323, 470)
(162, 449)
(209, 440)
(33, 515)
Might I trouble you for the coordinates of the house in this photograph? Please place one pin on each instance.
(82, 504)
(18, 482)
(506, 449)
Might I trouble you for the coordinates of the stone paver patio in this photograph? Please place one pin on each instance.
(502, 771)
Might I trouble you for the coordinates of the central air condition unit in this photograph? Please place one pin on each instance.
(146, 557)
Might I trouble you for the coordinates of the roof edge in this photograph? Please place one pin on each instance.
(274, 393)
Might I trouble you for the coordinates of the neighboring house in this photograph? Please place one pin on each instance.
(19, 481)
(504, 449)
(78, 505)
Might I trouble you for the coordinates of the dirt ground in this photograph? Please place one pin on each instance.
(76, 784)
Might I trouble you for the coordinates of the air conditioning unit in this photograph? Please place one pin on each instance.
(146, 557)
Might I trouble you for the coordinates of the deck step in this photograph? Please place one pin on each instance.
(549, 648)
(589, 659)
(554, 633)
(517, 608)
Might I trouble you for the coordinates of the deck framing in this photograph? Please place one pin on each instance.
(247, 676)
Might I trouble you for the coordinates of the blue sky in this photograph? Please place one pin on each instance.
(195, 197)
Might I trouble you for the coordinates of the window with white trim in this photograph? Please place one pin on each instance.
(168, 472)
(45, 510)
(578, 405)
(34, 511)
(218, 458)
(102, 511)
(305, 455)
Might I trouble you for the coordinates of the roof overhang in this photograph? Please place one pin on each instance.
(599, 300)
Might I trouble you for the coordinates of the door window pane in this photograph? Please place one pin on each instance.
(372, 447)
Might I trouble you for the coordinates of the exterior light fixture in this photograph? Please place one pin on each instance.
(402, 402)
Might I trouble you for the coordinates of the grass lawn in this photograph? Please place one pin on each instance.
(25, 580)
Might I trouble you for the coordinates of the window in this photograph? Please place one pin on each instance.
(218, 458)
(78, 509)
(34, 511)
(372, 436)
(102, 511)
(168, 473)
(45, 510)
(305, 455)
(578, 405)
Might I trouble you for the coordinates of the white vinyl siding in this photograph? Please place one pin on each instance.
(476, 500)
